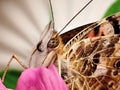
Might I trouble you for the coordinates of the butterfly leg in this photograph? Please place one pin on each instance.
(14, 57)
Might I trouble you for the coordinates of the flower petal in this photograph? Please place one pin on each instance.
(2, 87)
(41, 78)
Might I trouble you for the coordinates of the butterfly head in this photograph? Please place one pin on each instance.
(51, 41)
(48, 44)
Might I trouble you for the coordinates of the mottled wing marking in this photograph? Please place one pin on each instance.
(71, 33)
(93, 58)
(115, 21)
(107, 26)
(81, 35)
(94, 63)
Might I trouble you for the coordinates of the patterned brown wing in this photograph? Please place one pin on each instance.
(101, 28)
(93, 63)
(71, 33)
(113, 22)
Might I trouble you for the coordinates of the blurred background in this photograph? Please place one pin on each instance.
(22, 22)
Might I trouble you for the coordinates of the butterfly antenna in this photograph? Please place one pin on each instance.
(52, 16)
(75, 16)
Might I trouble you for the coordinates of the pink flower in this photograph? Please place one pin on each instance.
(2, 87)
(41, 78)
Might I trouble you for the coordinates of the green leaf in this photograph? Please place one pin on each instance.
(11, 78)
(114, 8)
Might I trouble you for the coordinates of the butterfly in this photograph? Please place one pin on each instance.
(87, 57)
(94, 63)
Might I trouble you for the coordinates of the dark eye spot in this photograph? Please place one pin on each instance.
(117, 64)
(96, 61)
(96, 58)
(96, 30)
(53, 43)
(38, 47)
(110, 84)
(115, 72)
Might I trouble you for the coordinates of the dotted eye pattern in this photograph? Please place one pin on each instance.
(53, 43)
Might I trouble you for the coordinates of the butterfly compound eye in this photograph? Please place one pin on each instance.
(53, 43)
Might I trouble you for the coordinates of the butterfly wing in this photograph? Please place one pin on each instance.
(94, 63)
(105, 59)
(71, 33)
